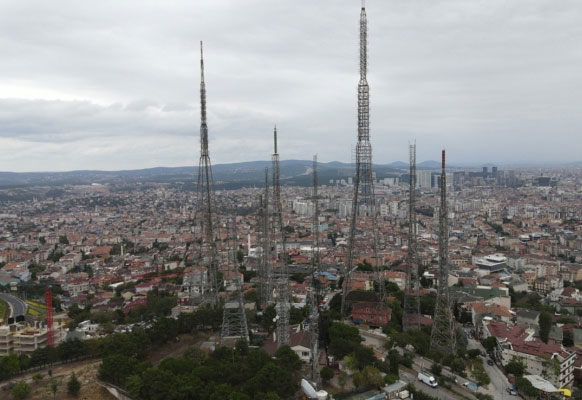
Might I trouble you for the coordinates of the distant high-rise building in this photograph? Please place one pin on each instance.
(424, 179)
(485, 173)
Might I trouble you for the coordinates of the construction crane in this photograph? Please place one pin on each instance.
(48, 299)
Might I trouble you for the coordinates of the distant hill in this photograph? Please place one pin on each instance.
(293, 172)
(431, 164)
(233, 175)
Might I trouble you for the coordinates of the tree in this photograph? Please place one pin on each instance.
(326, 374)
(545, 326)
(73, 385)
(373, 376)
(393, 360)
(489, 343)
(342, 379)
(133, 384)
(196, 355)
(524, 386)
(515, 367)
(436, 369)
(343, 339)
(358, 379)
(54, 387)
(568, 340)
(21, 390)
(267, 319)
(288, 359)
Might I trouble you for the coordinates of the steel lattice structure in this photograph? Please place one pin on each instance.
(411, 319)
(443, 329)
(315, 292)
(364, 199)
(205, 196)
(234, 320)
(283, 294)
(265, 273)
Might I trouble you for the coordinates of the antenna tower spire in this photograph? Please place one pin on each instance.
(411, 319)
(364, 200)
(443, 329)
(205, 199)
(315, 292)
(283, 295)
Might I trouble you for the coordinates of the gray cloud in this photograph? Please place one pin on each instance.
(115, 85)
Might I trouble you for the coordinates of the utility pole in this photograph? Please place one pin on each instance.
(206, 197)
(443, 329)
(364, 199)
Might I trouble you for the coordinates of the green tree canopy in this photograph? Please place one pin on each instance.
(545, 326)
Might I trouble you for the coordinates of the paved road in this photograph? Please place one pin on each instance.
(17, 306)
(438, 392)
(420, 363)
(499, 384)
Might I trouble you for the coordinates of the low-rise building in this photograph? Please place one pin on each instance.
(551, 361)
(371, 313)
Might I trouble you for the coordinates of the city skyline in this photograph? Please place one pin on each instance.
(87, 89)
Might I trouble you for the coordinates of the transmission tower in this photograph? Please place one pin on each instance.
(283, 295)
(205, 196)
(411, 318)
(315, 292)
(265, 271)
(443, 329)
(364, 200)
(234, 320)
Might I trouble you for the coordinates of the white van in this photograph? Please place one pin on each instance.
(428, 379)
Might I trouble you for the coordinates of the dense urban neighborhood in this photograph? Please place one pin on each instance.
(126, 269)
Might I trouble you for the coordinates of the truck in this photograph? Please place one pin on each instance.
(428, 379)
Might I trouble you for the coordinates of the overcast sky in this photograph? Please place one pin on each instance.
(115, 84)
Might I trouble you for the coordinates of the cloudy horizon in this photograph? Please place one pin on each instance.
(110, 85)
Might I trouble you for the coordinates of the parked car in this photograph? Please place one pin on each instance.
(490, 362)
(511, 391)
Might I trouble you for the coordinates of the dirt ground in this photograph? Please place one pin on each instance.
(86, 372)
(177, 348)
(41, 390)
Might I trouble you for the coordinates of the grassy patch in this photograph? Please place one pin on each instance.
(35, 308)
(4, 310)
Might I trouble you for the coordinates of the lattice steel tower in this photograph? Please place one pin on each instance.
(234, 319)
(265, 271)
(283, 295)
(364, 200)
(411, 319)
(206, 196)
(315, 292)
(443, 329)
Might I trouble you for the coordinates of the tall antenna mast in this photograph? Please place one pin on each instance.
(411, 318)
(315, 291)
(205, 196)
(283, 298)
(443, 330)
(266, 286)
(364, 200)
